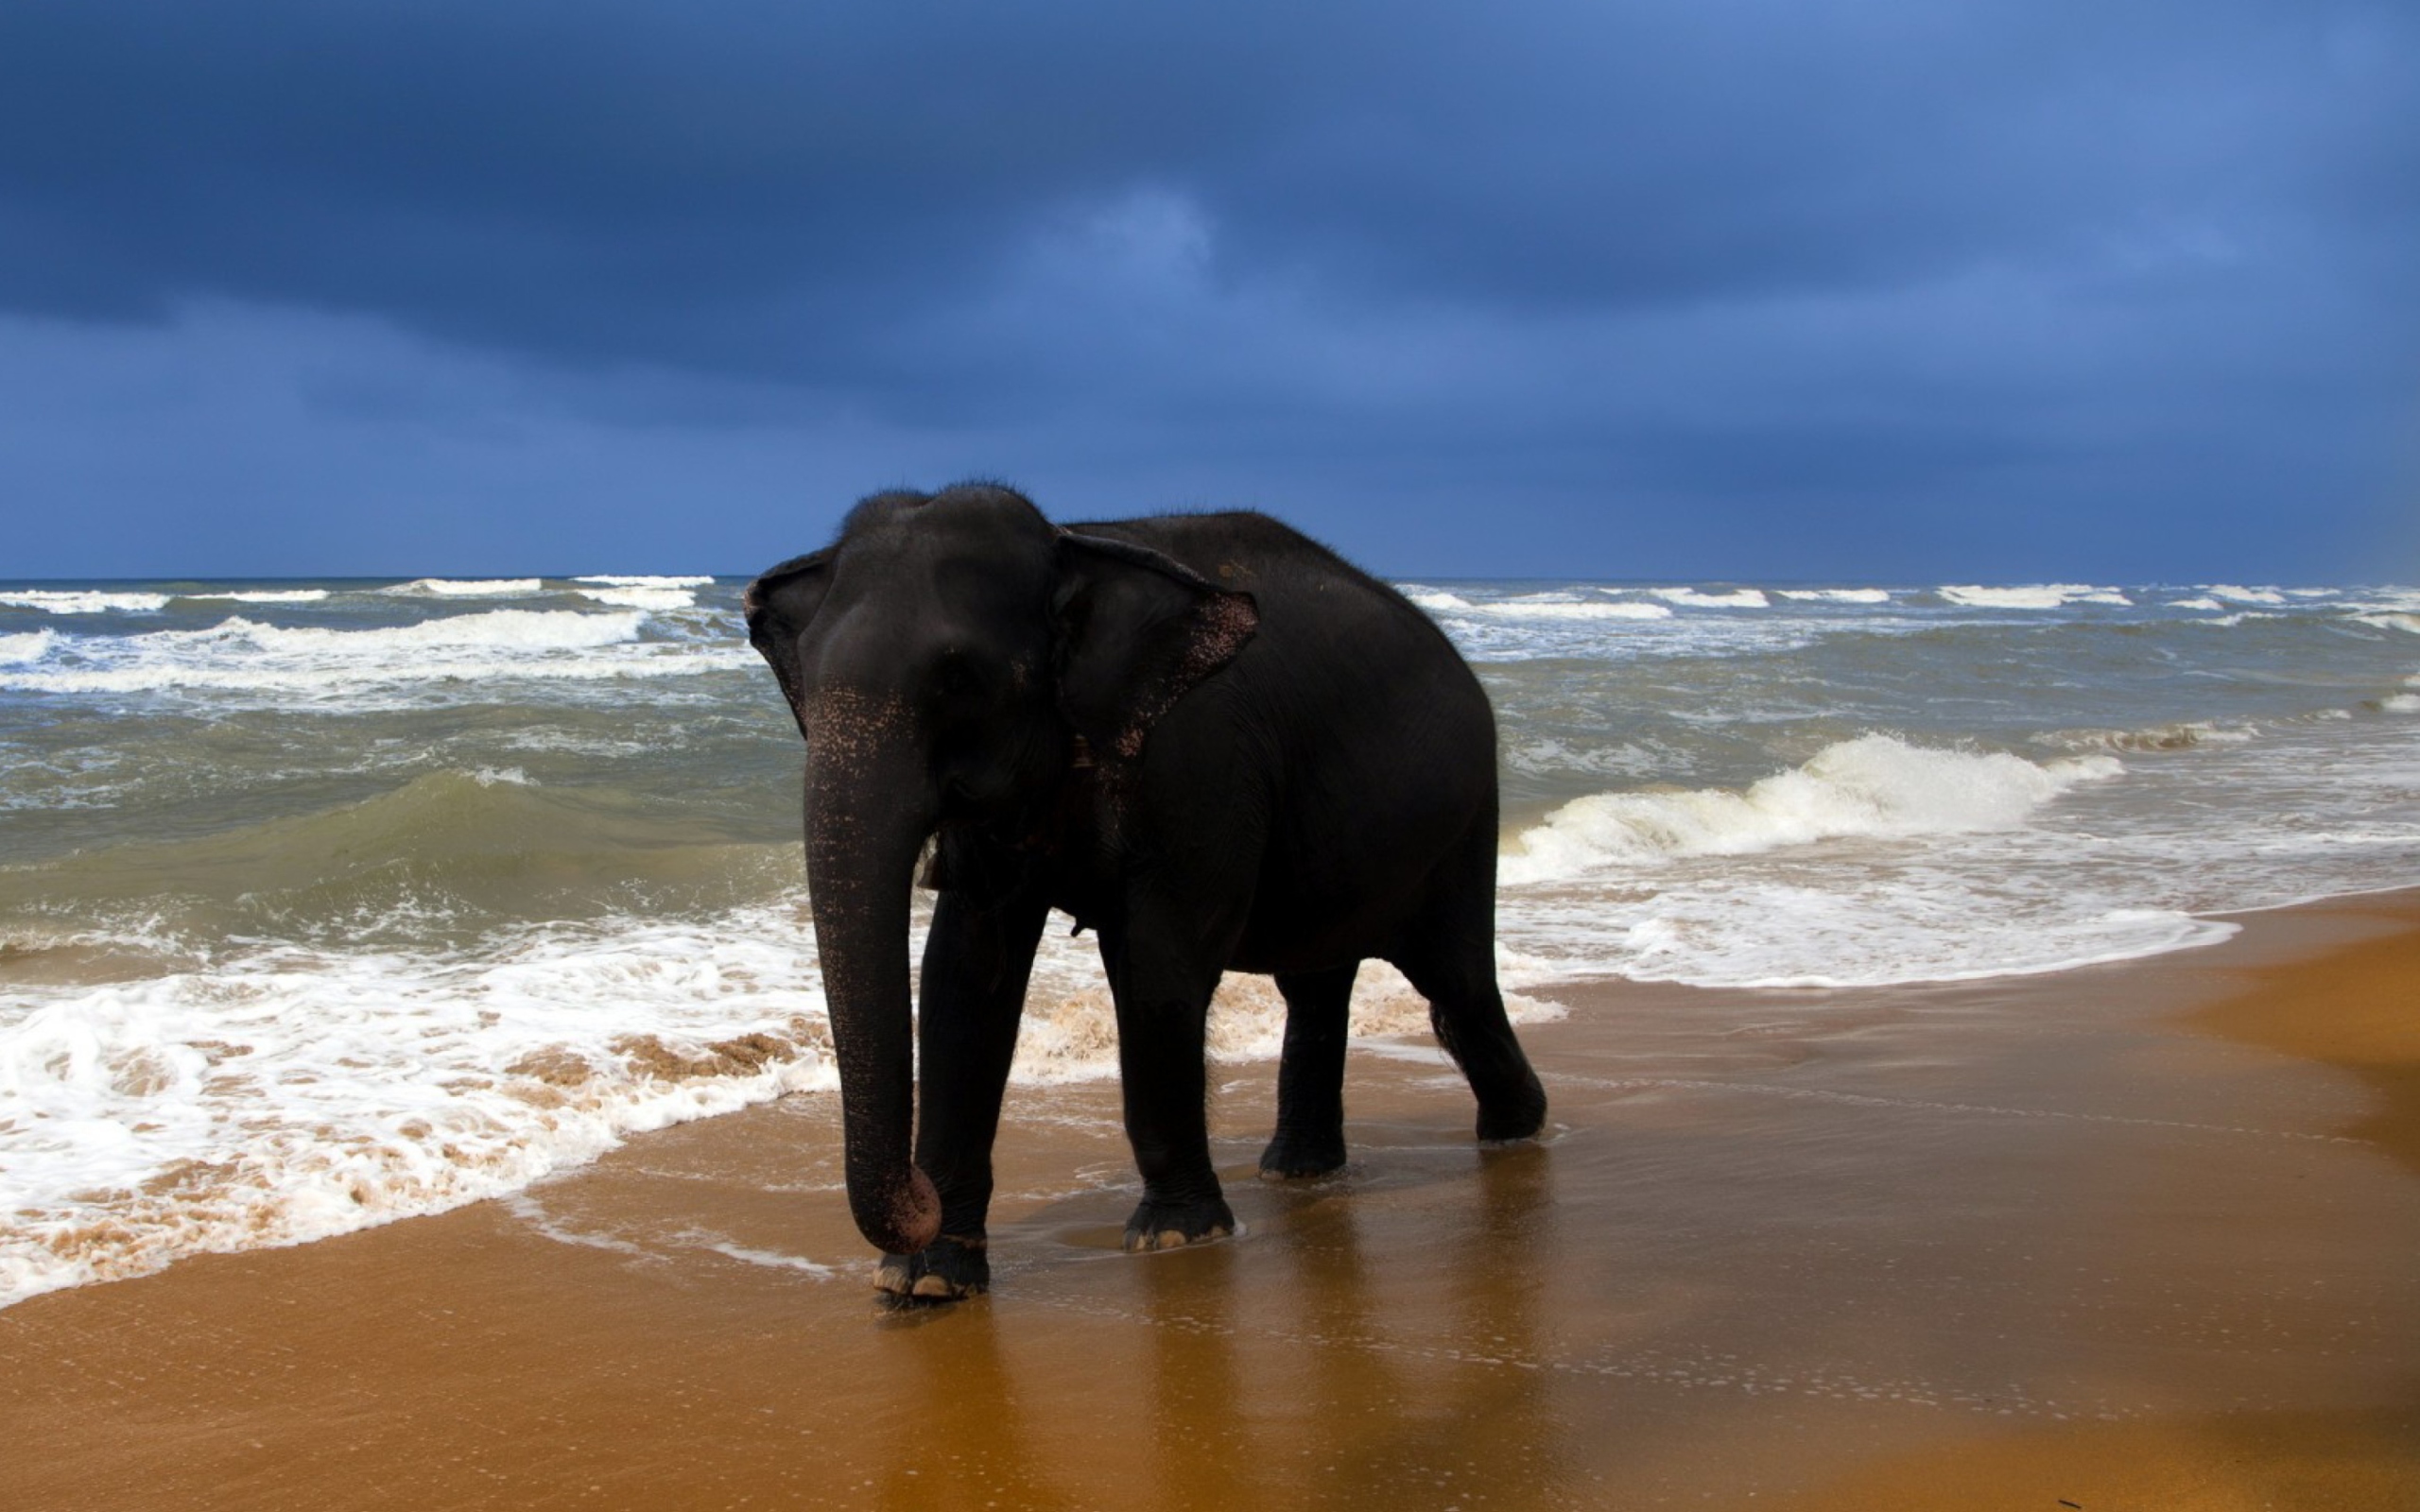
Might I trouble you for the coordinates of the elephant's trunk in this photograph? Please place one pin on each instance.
(868, 813)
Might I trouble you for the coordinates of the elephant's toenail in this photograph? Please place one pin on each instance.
(932, 1286)
(1171, 1238)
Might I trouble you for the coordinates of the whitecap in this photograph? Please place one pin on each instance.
(1838, 595)
(466, 587)
(645, 598)
(82, 601)
(16, 650)
(1536, 607)
(2042, 595)
(264, 596)
(240, 654)
(1692, 598)
(641, 580)
(1552, 610)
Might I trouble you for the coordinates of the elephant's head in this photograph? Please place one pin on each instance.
(944, 658)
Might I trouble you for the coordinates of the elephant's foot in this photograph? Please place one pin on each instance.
(1514, 1118)
(1158, 1224)
(943, 1271)
(1293, 1155)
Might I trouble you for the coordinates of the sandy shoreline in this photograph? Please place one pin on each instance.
(2139, 1235)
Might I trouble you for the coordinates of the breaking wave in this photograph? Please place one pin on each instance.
(239, 655)
(2044, 595)
(82, 601)
(1878, 786)
(466, 587)
(1538, 608)
(1693, 598)
(15, 650)
(264, 596)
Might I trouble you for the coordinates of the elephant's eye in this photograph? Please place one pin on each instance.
(955, 679)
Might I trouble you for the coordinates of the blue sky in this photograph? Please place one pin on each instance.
(1711, 289)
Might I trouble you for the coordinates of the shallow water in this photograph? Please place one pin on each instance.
(323, 904)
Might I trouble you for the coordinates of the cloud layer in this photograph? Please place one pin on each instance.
(1739, 288)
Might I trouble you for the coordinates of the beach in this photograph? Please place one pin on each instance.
(2129, 1235)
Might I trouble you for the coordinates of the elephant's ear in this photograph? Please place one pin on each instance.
(1136, 631)
(778, 604)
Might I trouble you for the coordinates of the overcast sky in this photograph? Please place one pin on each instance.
(1705, 289)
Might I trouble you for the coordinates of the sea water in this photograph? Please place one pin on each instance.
(324, 904)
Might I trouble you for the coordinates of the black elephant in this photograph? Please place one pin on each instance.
(1206, 737)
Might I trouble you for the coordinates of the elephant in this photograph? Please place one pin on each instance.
(1207, 739)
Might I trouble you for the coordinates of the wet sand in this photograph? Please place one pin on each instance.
(2136, 1236)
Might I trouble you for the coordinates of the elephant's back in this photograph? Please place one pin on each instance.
(1315, 607)
(1359, 688)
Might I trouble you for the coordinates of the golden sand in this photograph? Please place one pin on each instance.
(2137, 1236)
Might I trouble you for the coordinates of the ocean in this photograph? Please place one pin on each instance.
(327, 904)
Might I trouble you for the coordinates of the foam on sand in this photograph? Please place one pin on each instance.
(1876, 785)
(289, 1094)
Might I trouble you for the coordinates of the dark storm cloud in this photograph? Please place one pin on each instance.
(1761, 255)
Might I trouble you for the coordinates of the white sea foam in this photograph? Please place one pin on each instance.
(264, 596)
(2042, 595)
(2410, 623)
(1538, 608)
(642, 580)
(82, 601)
(1838, 595)
(16, 650)
(1876, 785)
(1693, 598)
(2235, 594)
(466, 587)
(288, 1094)
(642, 597)
(2401, 703)
(2210, 605)
(239, 655)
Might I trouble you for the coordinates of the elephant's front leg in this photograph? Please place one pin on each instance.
(977, 962)
(1163, 1006)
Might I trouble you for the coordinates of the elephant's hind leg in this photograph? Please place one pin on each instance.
(1449, 957)
(1466, 1011)
(1310, 1078)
